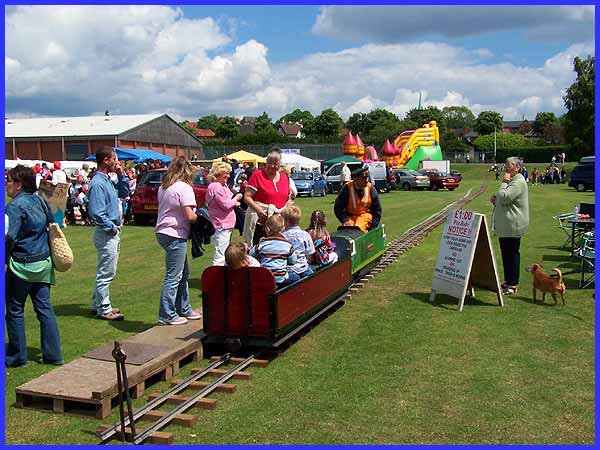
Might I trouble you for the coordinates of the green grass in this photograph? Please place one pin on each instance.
(388, 367)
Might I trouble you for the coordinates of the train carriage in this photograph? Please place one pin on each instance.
(243, 309)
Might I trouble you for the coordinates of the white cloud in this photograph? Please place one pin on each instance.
(75, 60)
(387, 24)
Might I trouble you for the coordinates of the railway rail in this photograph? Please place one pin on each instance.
(394, 249)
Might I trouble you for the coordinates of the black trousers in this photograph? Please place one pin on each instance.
(511, 259)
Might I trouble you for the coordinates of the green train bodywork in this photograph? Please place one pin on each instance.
(363, 249)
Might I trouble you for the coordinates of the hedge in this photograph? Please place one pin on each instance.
(536, 154)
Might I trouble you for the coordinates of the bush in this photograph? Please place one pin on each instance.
(535, 154)
(485, 143)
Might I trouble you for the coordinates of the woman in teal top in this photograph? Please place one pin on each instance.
(511, 220)
(30, 271)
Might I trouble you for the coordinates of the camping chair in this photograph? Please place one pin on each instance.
(587, 254)
(565, 227)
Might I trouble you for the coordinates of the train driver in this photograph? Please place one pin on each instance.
(357, 203)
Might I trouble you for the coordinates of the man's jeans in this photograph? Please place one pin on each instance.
(16, 294)
(107, 249)
(175, 296)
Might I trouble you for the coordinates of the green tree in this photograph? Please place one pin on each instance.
(356, 123)
(379, 117)
(297, 115)
(485, 142)
(426, 115)
(389, 129)
(263, 122)
(579, 101)
(544, 119)
(227, 128)
(451, 143)
(488, 121)
(209, 122)
(328, 123)
(458, 117)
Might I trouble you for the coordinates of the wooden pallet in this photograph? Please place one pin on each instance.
(88, 387)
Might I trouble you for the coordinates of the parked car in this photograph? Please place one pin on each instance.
(582, 177)
(408, 179)
(309, 183)
(145, 199)
(440, 180)
(456, 174)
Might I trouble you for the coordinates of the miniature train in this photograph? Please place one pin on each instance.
(243, 310)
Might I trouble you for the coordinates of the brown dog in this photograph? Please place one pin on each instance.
(546, 283)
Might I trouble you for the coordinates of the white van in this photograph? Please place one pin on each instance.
(378, 174)
(332, 175)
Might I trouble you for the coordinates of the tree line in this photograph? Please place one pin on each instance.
(575, 127)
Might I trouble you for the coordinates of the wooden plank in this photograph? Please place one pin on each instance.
(138, 390)
(227, 388)
(58, 405)
(218, 372)
(104, 410)
(204, 403)
(256, 362)
(185, 420)
(158, 437)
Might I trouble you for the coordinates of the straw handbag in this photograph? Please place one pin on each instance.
(62, 255)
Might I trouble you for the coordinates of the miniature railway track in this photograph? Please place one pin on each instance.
(160, 419)
(415, 235)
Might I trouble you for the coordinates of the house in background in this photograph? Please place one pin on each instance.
(290, 130)
(75, 138)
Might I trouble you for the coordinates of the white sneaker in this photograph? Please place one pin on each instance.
(178, 321)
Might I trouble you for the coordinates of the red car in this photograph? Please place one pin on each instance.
(145, 199)
(440, 180)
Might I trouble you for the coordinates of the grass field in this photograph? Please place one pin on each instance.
(388, 367)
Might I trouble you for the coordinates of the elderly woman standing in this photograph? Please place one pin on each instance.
(510, 221)
(29, 270)
(176, 212)
(221, 203)
(268, 191)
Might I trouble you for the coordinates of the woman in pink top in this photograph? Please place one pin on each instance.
(268, 191)
(221, 203)
(176, 211)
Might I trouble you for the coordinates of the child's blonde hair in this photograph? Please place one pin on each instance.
(274, 224)
(236, 256)
(292, 215)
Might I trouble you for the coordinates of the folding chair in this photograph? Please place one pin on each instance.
(565, 227)
(587, 254)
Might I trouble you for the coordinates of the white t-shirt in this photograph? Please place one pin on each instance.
(59, 176)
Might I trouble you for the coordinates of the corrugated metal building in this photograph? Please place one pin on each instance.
(74, 138)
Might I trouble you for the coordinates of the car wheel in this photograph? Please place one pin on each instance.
(435, 187)
(451, 189)
(141, 219)
(311, 193)
(329, 189)
(406, 186)
(580, 187)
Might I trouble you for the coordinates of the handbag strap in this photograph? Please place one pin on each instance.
(49, 218)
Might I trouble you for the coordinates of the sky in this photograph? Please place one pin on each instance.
(190, 61)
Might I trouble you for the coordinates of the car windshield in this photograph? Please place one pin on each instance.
(302, 176)
(415, 173)
(153, 177)
(199, 179)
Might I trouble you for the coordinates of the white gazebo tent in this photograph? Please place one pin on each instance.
(299, 162)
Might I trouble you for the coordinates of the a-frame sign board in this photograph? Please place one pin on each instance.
(466, 258)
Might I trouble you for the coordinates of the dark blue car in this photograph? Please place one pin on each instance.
(309, 183)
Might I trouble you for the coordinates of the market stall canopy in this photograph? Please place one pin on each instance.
(299, 162)
(137, 155)
(341, 159)
(243, 156)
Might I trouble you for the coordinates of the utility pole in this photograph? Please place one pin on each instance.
(494, 143)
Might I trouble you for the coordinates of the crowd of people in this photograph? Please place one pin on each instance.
(260, 202)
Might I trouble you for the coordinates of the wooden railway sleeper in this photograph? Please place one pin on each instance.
(114, 429)
(192, 400)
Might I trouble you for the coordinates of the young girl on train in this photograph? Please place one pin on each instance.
(324, 247)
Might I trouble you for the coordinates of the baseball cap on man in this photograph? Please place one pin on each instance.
(360, 172)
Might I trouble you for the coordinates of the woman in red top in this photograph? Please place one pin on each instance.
(268, 191)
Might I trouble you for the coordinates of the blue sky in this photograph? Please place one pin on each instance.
(189, 61)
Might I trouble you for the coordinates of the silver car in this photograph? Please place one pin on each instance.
(408, 179)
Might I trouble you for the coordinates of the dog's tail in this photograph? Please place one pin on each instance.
(559, 274)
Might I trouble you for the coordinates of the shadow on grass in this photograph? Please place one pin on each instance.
(130, 326)
(195, 283)
(443, 301)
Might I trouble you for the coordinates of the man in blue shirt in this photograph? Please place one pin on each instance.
(103, 209)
